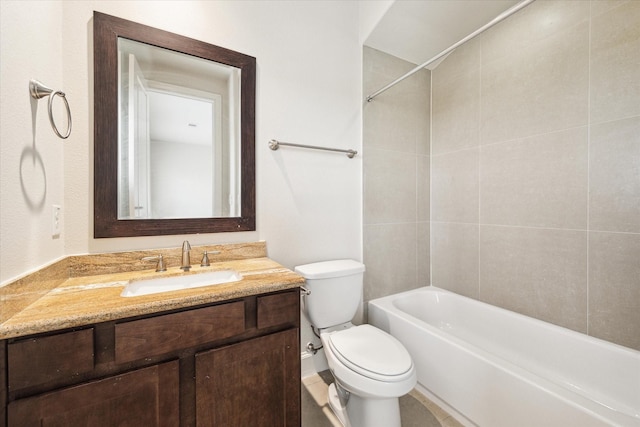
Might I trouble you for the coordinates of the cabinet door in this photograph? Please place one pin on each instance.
(254, 383)
(146, 397)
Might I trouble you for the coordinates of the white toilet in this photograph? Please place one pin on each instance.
(372, 369)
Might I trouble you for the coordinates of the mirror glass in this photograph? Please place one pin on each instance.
(174, 133)
(178, 141)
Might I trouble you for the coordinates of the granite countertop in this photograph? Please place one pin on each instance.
(89, 299)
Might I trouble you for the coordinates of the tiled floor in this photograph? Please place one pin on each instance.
(415, 409)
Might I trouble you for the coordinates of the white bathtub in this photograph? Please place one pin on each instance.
(497, 368)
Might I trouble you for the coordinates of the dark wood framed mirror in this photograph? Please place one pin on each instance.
(119, 210)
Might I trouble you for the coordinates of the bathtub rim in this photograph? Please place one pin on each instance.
(539, 322)
(583, 401)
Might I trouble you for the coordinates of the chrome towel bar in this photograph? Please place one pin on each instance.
(38, 91)
(274, 145)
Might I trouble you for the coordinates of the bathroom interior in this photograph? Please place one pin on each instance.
(507, 171)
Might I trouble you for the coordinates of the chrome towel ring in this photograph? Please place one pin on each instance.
(38, 91)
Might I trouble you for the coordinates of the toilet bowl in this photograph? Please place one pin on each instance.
(371, 368)
(374, 368)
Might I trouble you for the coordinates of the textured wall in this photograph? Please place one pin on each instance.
(308, 91)
(31, 155)
(396, 177)
(535, 167)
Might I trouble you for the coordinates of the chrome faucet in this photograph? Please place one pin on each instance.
(186, 259)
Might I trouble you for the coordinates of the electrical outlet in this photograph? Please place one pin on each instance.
(55, 221)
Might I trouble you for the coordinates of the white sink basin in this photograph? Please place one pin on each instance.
(165, 284)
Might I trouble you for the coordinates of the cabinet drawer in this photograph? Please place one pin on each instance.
(171, 332)
(35, 361)
(279, 309)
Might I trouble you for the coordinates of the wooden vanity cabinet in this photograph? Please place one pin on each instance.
(234, 363)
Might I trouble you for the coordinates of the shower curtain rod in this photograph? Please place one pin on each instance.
(504, 15)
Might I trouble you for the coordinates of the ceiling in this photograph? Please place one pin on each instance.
(178, 119)
(417, 30)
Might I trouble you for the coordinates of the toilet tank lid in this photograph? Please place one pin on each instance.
(329, 269)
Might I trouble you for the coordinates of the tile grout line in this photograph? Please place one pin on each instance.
(533, 227)
(588, 165)
(430, 178)
(479, 163)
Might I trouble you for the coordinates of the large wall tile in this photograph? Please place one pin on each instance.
(614, 287)
(388, 124)
(423, 187)
(423, 262)
(396, 177)
(390, 259)
(615, 68)
(540, 83)
(598, 7)
(462, 61)
(555, 120)
(398, 119)
(614, 176)
(423, 113)
(541, 273)
(539, 181)
(379, 67)
(542, 24)
(389, 187)
(454, 186)
(456, 102)
(454, 257)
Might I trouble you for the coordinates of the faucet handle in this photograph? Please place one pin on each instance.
(160, 266)
(205, 260)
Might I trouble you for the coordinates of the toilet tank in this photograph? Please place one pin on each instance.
(335, 291)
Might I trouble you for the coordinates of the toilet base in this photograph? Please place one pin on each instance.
(359, 412)
(337, 406)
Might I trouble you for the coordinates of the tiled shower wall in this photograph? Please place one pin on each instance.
(396, 177)
(535, 167)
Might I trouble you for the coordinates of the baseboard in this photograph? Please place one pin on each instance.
(306, 364)
(312, 364)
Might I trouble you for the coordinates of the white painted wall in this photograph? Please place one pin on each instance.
(308, 91)
(31, 156)
(370, 14)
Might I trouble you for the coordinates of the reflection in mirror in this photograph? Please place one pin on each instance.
(174, 133)
(177, 157)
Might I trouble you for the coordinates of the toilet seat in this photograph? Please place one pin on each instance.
(372, 353)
